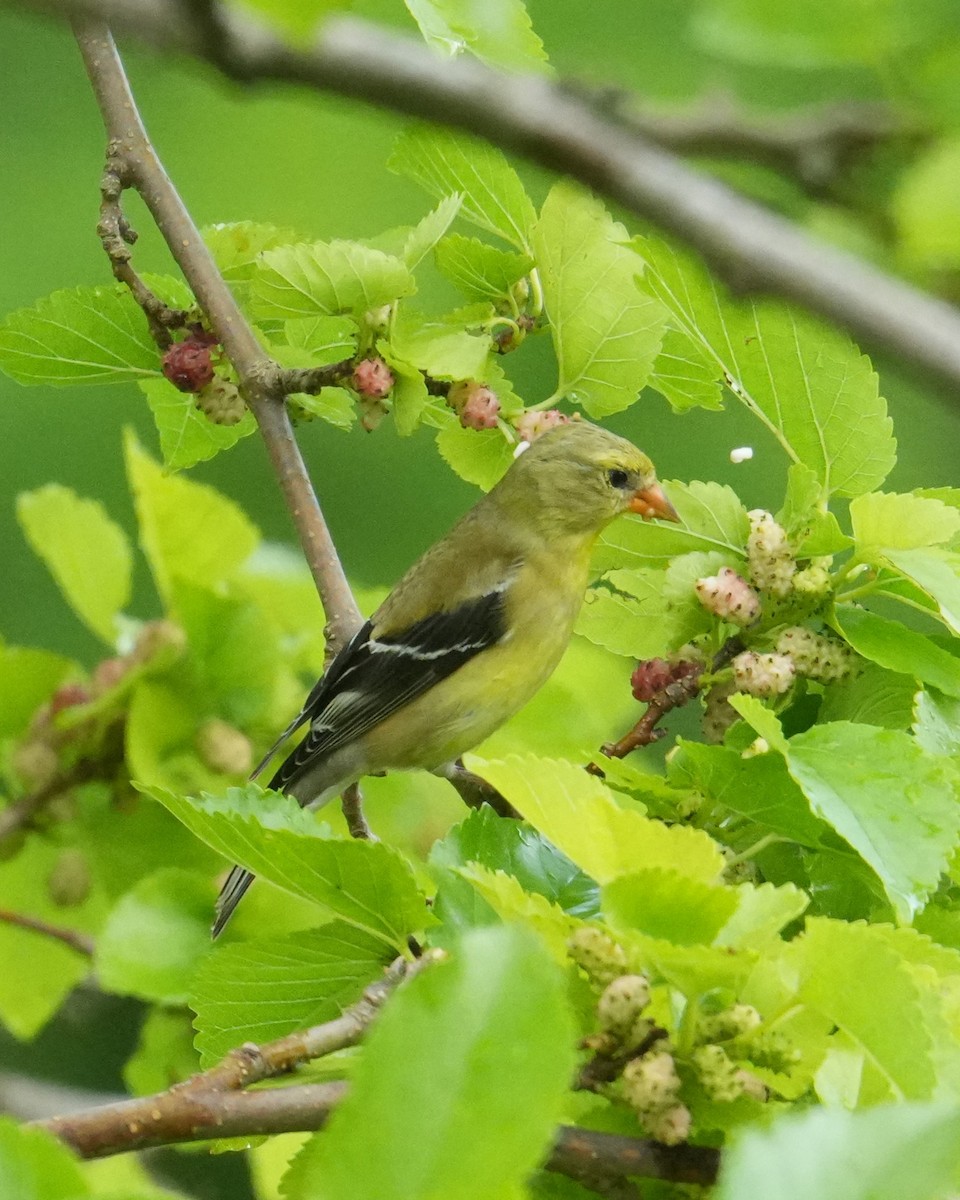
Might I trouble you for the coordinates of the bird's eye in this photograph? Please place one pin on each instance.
(617, 478)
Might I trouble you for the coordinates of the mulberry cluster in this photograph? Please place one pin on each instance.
(816, 656)
(651, 1086)
(772, 565)
(597, 954)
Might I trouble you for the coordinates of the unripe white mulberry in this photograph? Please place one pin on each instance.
(763, 675)
(69, 882)
(670, 1126)
(220, 402)
(531, 424)
(597, 954)
(729, 596)
(718, 1076)
(651, 1082)
(812, 581)
(718, 713)
(772, 565)
(736, 1021)
(816, 656)
(621, 1004)
(224, 748)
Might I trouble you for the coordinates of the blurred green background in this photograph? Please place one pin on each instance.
(318, 164)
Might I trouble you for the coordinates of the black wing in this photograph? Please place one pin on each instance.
(373, 677)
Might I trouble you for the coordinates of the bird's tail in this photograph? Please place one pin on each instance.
(230, 896)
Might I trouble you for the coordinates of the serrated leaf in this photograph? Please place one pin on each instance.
(711, 518)
(668, 905)
(366, 883)
(325, 339)
(187, 437)
(576, 812)
(887, 798)
(445, 163)
(898, 648)
(156, 936)
(480, 271)
(499, 997)
(479, 456)
(513, 847)
(409, 397)
(88, 553)
(440, 348)
(900, 522)
(87, 335)
(806, 382)
(762, 912)
(427, 233)
(264, 989)
(871, 697)
(850, 974)
(894, 1152)
(635, 624)
(498, 32)
(324, 278)
(188, 531)
(685, 374)
(34, 1165)
(506, 898)
(606, 333)
(236, 245)
(936, 573)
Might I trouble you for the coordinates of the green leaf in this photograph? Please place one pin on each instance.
(937, 573)
(441, 348)
(758, 788)
(936, 723)
(366, 883)
(871, 697)
(898, 648)
(926, 207)
(480, 271)
(325, 339)
(636, 624)
(87, 335)
(34, 1165)
(264, 989)
(851, 974)
(606, 333)
(901, 522)
(427, 233)
(894, 1152)
(478, 456)
(511, 846)
(446, 163)
(188, 531)
(505, 897)
(27, 679)
(668, 905)
(579, 815)
(685, 374)
(409, 398)
(156, 936)
(762, 912)
(187, 437)
(498, 32)
(236, 246)
(806, 382)
(499, 999)
(88, 554)
(322, 278)
(711, 518)
(39, 972)
(164, 1053)
(893, 803)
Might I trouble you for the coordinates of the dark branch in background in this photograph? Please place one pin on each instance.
(215, 1104)
(70, 937)
(133, 162)
(755, 250)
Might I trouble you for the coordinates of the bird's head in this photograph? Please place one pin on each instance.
(576, 478)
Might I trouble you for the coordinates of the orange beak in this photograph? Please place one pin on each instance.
(652, 503)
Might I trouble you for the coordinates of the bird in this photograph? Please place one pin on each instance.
(472, 630)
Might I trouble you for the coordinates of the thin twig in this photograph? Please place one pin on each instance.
(551, 124)
(135, 164)
(70, 937)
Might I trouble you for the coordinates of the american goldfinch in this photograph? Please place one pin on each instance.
(472, 630)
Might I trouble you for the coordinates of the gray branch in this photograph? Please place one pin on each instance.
(555, 125)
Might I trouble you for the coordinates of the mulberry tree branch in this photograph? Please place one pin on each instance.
(133, 162)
